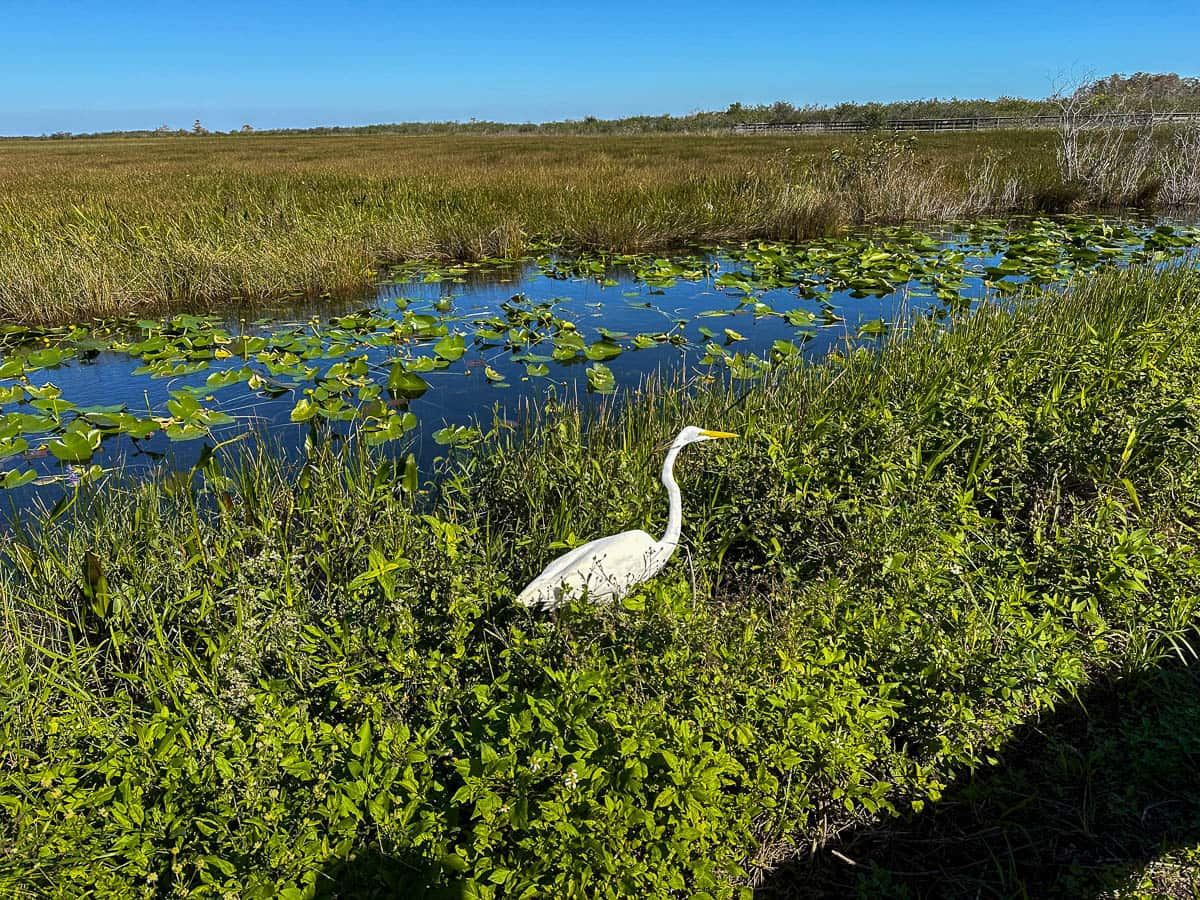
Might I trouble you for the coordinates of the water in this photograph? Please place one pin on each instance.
(462, 393)
(680, 310)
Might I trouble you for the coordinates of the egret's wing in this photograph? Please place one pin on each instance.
(603, 568)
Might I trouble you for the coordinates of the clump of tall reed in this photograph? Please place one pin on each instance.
(1181, 168)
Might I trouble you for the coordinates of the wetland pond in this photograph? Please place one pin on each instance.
(437, 352)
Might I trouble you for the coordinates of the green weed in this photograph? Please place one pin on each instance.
(314, 682)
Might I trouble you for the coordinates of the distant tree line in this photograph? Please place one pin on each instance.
(1148, 91)
(1141, 91)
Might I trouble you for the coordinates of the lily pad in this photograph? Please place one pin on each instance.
(75, 446)
(406, 384)
(600, 379)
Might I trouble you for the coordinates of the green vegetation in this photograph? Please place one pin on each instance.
(109, 227)
(356, 372)
(104, 228)
(1146, 90)
(1098, 799)
(263, 682)
(1141, 91)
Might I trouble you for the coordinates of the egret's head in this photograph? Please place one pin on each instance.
(692, 435)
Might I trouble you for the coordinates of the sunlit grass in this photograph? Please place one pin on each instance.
(266, 679)
(96, 227)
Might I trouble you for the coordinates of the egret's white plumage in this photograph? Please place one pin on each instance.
(607, 568)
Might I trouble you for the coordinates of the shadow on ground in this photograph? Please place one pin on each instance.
(1078, 806)
(371, 874)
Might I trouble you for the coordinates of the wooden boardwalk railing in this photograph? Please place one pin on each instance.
(968, 123)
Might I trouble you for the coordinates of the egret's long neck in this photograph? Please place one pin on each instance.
(670, 539)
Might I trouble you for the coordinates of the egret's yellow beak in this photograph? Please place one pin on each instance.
(719, 434)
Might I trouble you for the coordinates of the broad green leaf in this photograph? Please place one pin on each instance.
(603, 350)
(303, 410)
(451, 347)
(406, 384)
(75, 446)
(600, 379)
(15, 479)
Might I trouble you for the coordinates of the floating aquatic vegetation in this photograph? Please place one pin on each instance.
(359, 370)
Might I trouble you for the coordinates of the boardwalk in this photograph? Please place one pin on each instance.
(968, 123)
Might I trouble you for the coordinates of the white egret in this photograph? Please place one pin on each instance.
(605, 569)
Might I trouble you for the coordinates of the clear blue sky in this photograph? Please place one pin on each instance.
(85, 66)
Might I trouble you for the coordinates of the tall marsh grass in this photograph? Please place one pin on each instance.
(100, 227)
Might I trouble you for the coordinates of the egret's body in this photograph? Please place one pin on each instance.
(607, 568)
(604, 570)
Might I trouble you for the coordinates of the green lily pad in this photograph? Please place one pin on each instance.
(406, 384)
(394, 427)
(456, 436)
(600, 379)
(75, 446)
(14, 479)
(451, 347)
(603, 350)
(303, 411)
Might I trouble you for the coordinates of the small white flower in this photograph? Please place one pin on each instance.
(571, 779)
